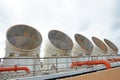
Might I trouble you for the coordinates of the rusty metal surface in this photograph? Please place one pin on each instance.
(100, 44)
(60, 40)
(111, 45)
(84, 42)
(24, 37)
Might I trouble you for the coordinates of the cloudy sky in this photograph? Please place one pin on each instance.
(100, 18)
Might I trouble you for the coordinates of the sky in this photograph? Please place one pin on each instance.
(99, 18)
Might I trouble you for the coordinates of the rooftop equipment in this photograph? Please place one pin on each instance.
(112, 48)
(100, 47)
(58, 44)
(22, 41)
(82, 46)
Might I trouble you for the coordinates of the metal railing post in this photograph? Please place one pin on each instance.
(34, 67)
(56, 65)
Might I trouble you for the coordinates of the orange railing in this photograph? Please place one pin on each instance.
(95, 62)
(15, 68)
(113, 59)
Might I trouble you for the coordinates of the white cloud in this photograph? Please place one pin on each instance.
(88, 17)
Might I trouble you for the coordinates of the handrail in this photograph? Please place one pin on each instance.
(95, 62)
(62, 57)
(15, 68)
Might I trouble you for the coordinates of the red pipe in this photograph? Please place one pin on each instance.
(114, 59)
(106, 63)
(15, 68)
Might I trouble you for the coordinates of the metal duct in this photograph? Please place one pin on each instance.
(112, 48)
(58, 44)
(82, 45)
(100, 47)
(22, 41)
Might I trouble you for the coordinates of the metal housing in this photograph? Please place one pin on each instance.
(22, 41)
(58, 44)
(100, 47)
(112, 48)
(82, 45)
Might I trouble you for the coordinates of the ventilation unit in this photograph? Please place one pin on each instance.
(22, 41)
(100, 47)
(112, 48)
(82, 46)
(58, 44)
